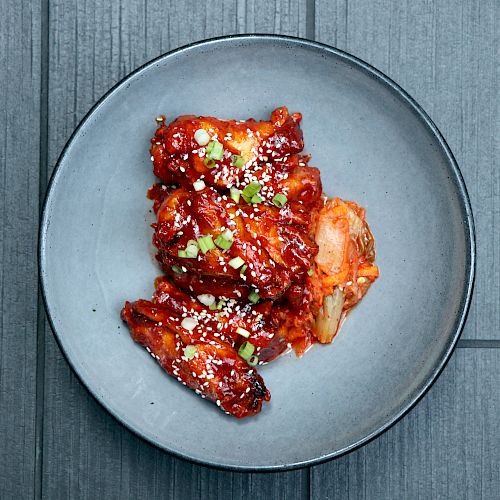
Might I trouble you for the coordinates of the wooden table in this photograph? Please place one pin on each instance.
(57, 58)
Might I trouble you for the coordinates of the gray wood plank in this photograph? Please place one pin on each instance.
(20, 71)
(92, 45)
(447, 447)
(445, 54)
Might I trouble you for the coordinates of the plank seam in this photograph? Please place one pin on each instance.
(311, 19)
(478, 344)
(43, 167)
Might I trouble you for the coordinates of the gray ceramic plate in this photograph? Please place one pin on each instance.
(372, 143)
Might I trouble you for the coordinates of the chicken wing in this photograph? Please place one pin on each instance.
(179, 158)
(274, 246)
(256, 259)
(200, 347)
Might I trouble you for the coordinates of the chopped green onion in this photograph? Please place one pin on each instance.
(213, 306)
(223, 243)
(190, 351)
(246, 350)
(279, 200)
(243, 332)
(208, 162)
(253, 360)
(206, 243)
(251, 189)
(235, 194)
(310, 272)
(237, 161)
(220, 304)
(177, 269)
(215, 150)
(236, 263)
(243, 269)
(253, 297)
(199, 185)
(227, 234)
(189, 323)
(256, 199)
(207, 299)
(192, 242)
(201, 137)
(192, 251)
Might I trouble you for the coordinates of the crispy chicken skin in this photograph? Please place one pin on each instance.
(277, 243)
(215, 371)
(222, 324)
(291, 268)
(178, 158)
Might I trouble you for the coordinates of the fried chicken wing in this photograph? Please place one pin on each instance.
(276, 244)
(224, 322)
(256, 259)
(211, 368)
(179, 158)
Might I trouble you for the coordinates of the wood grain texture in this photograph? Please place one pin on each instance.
(447, 447)
(19, 187)
(445, 54)
(92, 45)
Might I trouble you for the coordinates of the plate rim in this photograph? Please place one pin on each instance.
(465, 205)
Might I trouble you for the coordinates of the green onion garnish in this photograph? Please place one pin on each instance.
(310, 272)
(213, 306)
(189, 351)
(253, 297)
(253, 360)
(223, 242)
(177, 269)
(199, 185)
(192, 242)
(236, 263)
(208, 162)
(201, 137)
(206, 243)
(235, 194)
(220, 304)
(215, 150)
(207, 299)
(192, 251)
(279, 200)
(246, 350)
(256, 199)
(250, 190)
(243, 269)
(243, 332)
(237, 161)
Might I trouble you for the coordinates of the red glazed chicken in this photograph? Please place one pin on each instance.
(256, 259)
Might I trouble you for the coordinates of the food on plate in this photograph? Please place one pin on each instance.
(256, 259)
